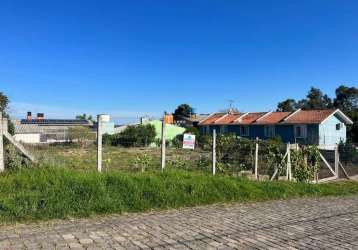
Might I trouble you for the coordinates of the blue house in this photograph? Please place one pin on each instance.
(325, 128)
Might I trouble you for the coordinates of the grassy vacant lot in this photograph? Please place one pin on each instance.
(121, 159)
(65, 184)
(55, 192)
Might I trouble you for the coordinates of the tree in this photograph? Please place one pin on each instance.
(4, 102)
(84, 117)
(183, 110)
(81, 135)
(288, 105)
(317, 100)
(347, 100)
(135, 136)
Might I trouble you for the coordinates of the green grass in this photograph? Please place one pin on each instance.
(49, 193)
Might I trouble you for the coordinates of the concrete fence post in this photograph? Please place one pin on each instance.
(163, 143)
(99, 143)
(256, 158)
(336, 161)
(214, 153)
(289, 170)
(2, 163)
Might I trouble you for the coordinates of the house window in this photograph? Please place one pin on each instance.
(300, 131)
(269, 131)
(244, 131)
(339, 126)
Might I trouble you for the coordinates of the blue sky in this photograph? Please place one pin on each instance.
(130, 58)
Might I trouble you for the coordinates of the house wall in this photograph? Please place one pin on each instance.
(27, 138)
(324, 134)
(328, 135)
(286, 132)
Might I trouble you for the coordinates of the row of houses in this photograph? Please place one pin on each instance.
(325, 128)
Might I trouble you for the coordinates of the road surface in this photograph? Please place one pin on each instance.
(309, 223)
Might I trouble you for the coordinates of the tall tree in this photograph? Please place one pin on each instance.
(346, 98)
(4, 105)
(183, 110)
(287, 105)
(4, 102)
(317, 100)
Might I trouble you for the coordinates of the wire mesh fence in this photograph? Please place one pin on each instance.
(348, 157)
(235, 156)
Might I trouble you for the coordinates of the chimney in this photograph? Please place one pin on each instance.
(29, 116)
(40, 116)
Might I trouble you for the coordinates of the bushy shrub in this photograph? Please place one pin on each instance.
(305, 163)
(107, 139)
(14, 159)
(134, 136)
(143, 162)
(177, 141)
(81, 135)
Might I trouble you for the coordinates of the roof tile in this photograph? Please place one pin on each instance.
(309, 116)
(250, 118)
(272, 118)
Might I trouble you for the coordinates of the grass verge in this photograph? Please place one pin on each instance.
(49, 193)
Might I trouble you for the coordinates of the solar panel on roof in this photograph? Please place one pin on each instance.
(54, 121)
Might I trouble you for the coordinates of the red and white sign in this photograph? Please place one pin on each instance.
(189, 141)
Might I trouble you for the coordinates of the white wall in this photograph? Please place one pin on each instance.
(328, 135)
(27, 138)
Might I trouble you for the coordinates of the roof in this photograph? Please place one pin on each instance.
(40, 128)
(193, 118)
(228, 118)
(272, 117)
(211, 118)
(262, 118)
(249, 118)
(26, 128)
(57, 122)
(309, 116)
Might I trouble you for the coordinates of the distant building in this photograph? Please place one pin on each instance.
(41, 130)
(171, 130)
(191, 121)
(325, 128)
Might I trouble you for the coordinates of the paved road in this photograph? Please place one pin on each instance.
(330, 223)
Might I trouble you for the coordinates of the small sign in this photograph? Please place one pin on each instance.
(189, 141)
